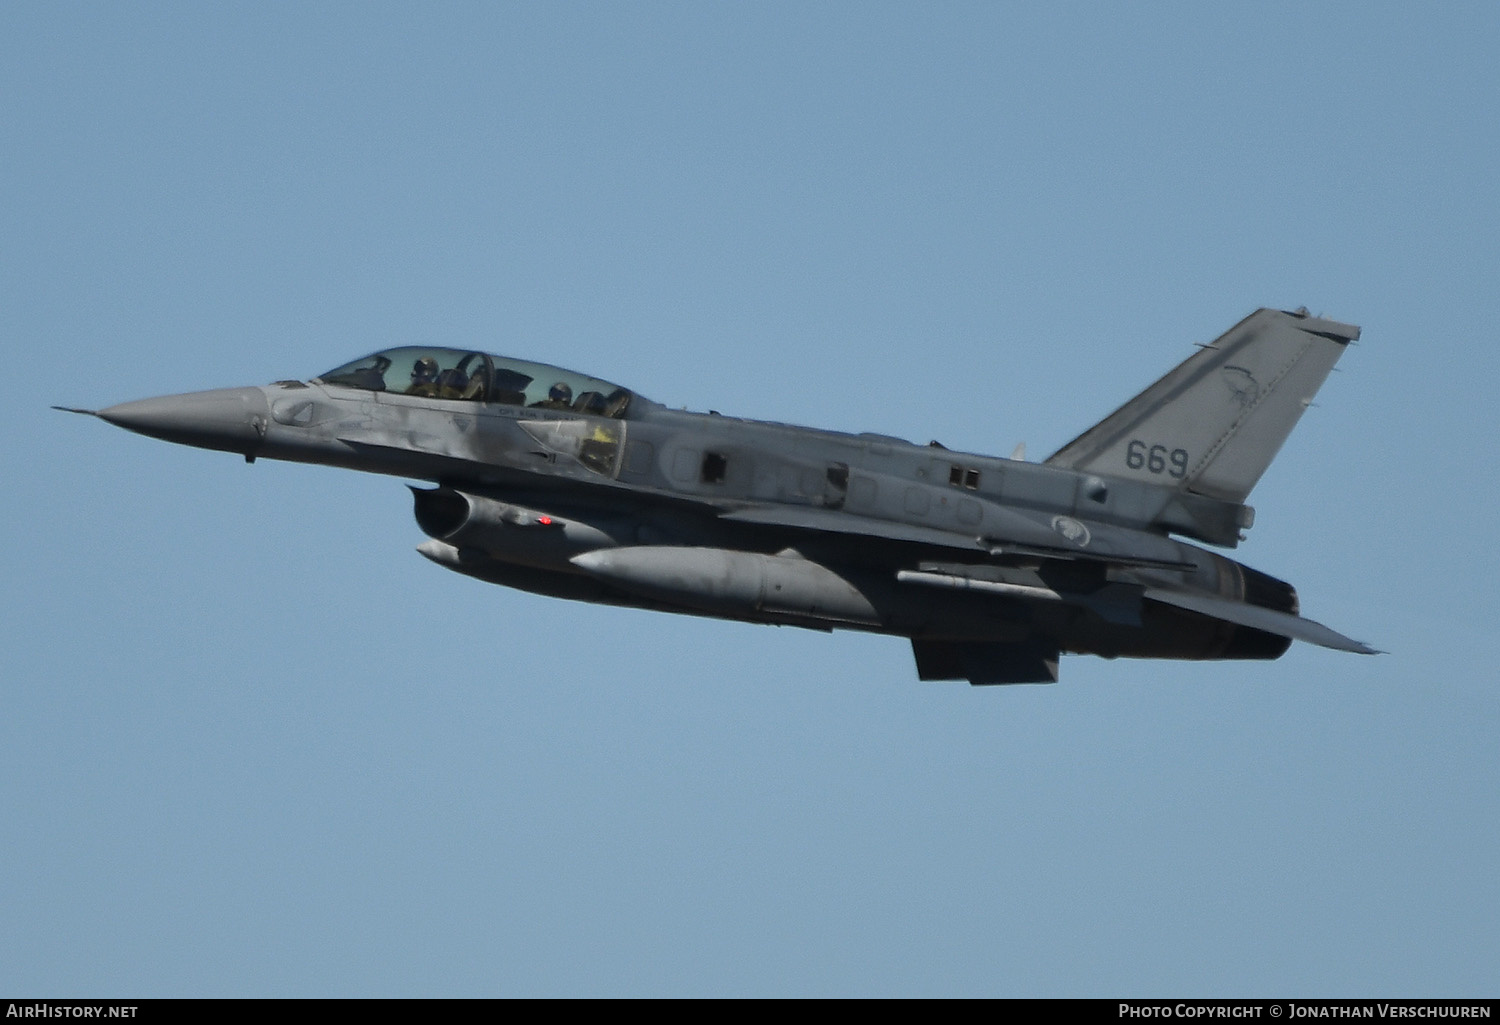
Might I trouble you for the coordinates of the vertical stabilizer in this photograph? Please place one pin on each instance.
(1212, 425)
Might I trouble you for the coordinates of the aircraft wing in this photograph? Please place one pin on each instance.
(831, 522)
(1283, 624)
(1030, 546)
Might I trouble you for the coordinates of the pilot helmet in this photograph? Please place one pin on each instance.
(560, 392)
(424, 369)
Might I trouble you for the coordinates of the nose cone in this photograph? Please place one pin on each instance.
(228, 419)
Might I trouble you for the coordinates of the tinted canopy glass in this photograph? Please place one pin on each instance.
(469, 376)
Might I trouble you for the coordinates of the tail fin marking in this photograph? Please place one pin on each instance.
(1214, 423)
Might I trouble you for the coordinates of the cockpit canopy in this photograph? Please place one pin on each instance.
(469, 376)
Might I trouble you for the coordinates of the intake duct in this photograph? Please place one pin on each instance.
(510, 533)
(440, 511)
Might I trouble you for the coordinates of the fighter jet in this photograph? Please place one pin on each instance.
(568, 486)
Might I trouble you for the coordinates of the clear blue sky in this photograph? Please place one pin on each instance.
(251, 743)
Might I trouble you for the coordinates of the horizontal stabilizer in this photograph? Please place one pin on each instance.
(1283, 624)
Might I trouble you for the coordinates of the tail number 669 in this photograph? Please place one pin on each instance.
(1156, 458)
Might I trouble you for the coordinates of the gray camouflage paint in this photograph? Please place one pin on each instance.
(993, 567)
